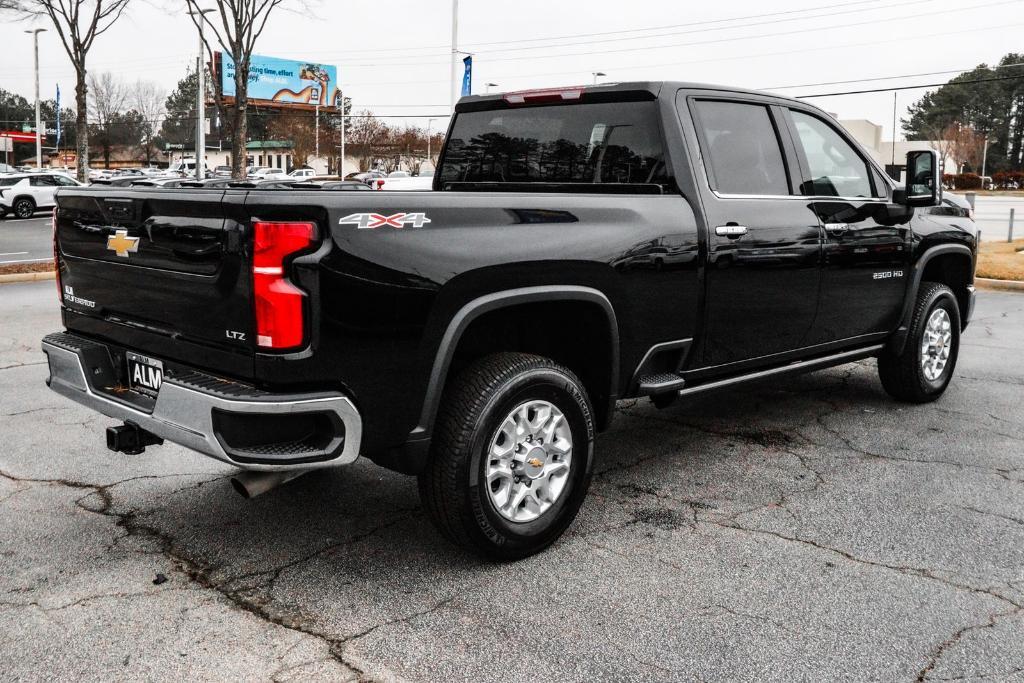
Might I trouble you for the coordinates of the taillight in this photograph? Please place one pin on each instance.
(56, 259)
(280, 305)
(543, 96)
(380, 183)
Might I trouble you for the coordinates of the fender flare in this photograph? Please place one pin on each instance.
(899, 338)
(16, 198)
(494, 301)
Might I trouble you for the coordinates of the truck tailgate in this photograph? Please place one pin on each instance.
(169, 263)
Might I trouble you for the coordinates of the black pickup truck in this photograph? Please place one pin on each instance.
(580, 246)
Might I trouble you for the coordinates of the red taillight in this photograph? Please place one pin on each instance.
(542, 96)
(56, 259)
(380, 183)
(280, 314)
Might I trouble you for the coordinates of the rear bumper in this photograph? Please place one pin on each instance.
(192, 409)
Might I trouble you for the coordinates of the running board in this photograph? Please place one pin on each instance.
(794, 368)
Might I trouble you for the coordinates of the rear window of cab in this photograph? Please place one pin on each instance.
(604, 143)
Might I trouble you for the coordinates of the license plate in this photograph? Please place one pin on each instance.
(144, 374)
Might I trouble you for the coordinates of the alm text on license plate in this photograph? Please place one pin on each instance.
(145, 374)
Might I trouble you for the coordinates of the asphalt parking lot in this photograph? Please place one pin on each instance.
(808, 530)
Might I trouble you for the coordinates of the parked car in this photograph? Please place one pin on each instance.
(265, 173)
(222, 172)
(6, 169)
(365, 177)
(423, 181)
(478, 336)
(25, 194)
(302, 173)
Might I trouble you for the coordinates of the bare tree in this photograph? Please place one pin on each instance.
(78, 23)
(236, 24)
(107, 98)
(148, 99)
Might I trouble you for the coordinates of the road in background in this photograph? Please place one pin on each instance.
(24, 241)
(807, 529)
(992, 214)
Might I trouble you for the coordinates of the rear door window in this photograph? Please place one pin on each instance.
(741, 149)
(603, 143)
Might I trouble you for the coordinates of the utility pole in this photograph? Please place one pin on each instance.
(341, 161)
(317, 134)
(200, 101)
(455, 53)
(984, 160)
(39, 124)
(429, 157)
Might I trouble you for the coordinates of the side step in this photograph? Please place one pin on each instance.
(796, 367)
(660, 383)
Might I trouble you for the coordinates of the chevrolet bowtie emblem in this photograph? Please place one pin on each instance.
(120, 243)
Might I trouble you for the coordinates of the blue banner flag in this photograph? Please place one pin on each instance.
(57, 144)
(467, 77)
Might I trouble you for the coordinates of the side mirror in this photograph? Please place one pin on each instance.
(924, 179)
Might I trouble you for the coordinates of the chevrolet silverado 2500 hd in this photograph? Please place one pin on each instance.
(580, 246)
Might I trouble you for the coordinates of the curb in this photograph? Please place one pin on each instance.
(27, 277)
(1001, 285)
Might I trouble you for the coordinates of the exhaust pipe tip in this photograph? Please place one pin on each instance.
(250, 484)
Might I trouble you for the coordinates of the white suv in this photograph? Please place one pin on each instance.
(25, 194)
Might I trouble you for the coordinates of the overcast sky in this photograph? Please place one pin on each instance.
(393, 55)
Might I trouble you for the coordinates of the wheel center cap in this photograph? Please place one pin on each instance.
(534, 463)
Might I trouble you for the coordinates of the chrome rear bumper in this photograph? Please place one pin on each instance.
(184, 410)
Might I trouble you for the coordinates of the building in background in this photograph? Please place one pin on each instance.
(892, 154)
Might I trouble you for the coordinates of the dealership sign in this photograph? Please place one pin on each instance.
(19, 136)
(283, 81)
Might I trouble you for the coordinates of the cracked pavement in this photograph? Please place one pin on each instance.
(807, 529)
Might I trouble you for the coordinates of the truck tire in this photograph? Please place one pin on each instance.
(922, 371)
(24, 207)
(511, 457)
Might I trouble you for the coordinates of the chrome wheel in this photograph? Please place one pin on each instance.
(528, 461)
(936, 343)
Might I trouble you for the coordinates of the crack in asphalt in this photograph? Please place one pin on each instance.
(948, 643)
(200, 572)
(22, 365)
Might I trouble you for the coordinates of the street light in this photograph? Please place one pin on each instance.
(200, 100)
(984, 160)
(39, 139)
(491, 85)
(596, 74)
(429, 157)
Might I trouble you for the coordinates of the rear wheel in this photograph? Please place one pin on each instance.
(511, 457)
(923, 370)
(24, 208)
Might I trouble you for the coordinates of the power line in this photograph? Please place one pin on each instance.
(691, 26)
(889, 78)
(910, 87)
(755, 55)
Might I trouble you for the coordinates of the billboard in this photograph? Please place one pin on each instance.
(283, 81)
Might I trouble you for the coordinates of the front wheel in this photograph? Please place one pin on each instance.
(923, 370)
(24, 208)
(512, 456)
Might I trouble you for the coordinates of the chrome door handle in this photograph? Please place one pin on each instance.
(731, 230)
(837, 227)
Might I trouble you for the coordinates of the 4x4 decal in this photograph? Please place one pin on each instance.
(368, 221)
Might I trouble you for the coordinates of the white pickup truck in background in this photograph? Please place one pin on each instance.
(400, 180)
